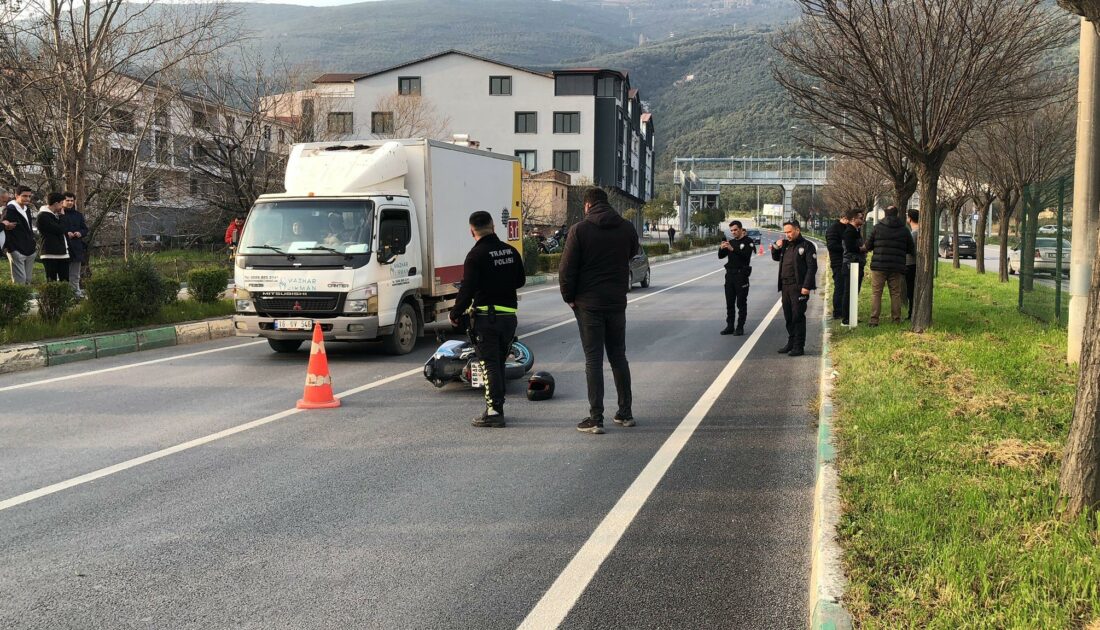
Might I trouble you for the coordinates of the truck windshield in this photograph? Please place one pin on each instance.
(309, 226)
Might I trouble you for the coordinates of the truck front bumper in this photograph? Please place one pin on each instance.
(333, 328)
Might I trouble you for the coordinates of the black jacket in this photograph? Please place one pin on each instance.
(54, 243)
(21, 237)
(853, 242)
(490, 276)
(891, 242)
(834, 242)
(740, 257)
(595, 266)
(74, 222)
(807, 261)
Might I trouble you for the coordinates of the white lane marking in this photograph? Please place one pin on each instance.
(127, 366)
(664, 264)
(137, 461)
(556, 603)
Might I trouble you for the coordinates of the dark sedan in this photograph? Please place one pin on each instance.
(968, 247)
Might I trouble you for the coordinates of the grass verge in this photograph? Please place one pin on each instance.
(79, 322)
(949, 451)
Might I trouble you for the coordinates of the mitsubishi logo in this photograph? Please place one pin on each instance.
(297, 306)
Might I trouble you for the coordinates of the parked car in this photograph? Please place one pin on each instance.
(1048, 229)
(639, 269)
(1046, 257)
(754, 234)
(968, 247)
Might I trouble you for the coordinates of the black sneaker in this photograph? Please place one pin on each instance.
(796, 352)
(489, 418)
(624, 419)
(785, 349)
(591, 426)
(739, 332)
(728, 330)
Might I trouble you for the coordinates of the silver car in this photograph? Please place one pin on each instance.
(639, 269)
(1046, 256)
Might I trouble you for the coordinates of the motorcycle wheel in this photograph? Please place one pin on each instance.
(520, 361)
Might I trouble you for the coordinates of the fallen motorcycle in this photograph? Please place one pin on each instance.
(456, 360)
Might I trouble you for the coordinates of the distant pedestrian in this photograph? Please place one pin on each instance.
(852, 240)
(77, 232)
(797, 259)
(911, 260)
(834, 242)
(891, 243)
(738, 252)
(55, 245)
(594, 277)
(20, 245)
(671, 236)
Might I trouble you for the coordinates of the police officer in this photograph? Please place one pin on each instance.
(797, 277)
(737, 251)
(490, 276)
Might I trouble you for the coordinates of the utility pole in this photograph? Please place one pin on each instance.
(1086, 187)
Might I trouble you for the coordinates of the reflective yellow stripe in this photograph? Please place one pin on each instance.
(499, 309)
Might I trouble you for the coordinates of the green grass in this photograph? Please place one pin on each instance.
(950, 444)
(79, 322)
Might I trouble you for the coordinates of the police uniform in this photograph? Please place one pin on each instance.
(738, 268)
(797, 270)
(490, 276)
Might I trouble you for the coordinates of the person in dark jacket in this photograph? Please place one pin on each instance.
(911, 260)
(490, 276)
(55, 245)
(737, 251)
(594, 276)
(671, 236)
(19, 244)
(891, 243)
(76, 230)
(852, 240)
(834, 242)
(797, 259)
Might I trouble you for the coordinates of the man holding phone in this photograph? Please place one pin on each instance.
(797, 259)
(738, 252)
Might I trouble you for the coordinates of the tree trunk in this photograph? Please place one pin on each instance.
(903, 192)
(956, 212)
(1079, 480)
(983, 223)
(1008, 203)
(929, 178)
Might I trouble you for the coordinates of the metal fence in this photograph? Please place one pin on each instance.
(1040, 256)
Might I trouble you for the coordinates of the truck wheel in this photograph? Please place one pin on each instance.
(403, 337)
(285, 345)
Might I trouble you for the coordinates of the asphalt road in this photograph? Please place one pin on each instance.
(392, 511)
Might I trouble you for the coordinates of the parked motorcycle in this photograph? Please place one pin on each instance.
(456, 360)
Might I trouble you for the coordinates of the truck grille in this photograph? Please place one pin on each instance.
(314, 303)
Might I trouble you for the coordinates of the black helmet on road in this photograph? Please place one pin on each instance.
(540, 386)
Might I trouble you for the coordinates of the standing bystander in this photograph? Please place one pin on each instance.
(55, 245)
(77, 232)
(671, 236)
(911, 260)
(834, 242)
(891, 243)
(20, 245)
(853, 253)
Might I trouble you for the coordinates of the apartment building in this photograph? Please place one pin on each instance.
(587, 122)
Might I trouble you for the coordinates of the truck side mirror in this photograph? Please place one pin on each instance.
(388, 252)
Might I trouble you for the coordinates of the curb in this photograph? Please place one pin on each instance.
(22, 357)
(827, 581)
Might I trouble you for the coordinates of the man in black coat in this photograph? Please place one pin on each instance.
(834, 241)
(852, 240)
(594, 276)
(737, 251)
(891, 243)
(20, 245)
(77, 232)
(797, 259)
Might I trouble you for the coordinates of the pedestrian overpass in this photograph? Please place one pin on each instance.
(700, 179)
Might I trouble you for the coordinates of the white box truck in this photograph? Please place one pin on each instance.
(368, 240)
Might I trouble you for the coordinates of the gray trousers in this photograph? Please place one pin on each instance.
(22, 267)
(74, 275)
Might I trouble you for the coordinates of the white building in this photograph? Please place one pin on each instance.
(587, 122)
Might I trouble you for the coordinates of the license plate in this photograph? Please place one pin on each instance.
(1052, 255)
(476, 379)
(293, 324)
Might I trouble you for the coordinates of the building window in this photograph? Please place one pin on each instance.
(408, 86)
(500, 86)
(230, 125)
(199, 119)
(381, 122)
(122, 120)
(161, 150)
(151, 190)
(567, 122)
(568, 161)
(528, 160)
(573, 85)
(121, 158)
(282, 136)
(194, 186)
(340, 123)
(607, 86)
(527, 122)
(160, 118)
(267, 132)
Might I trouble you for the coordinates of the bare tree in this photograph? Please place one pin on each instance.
(977, 167)
(920, 74)
(413, 116)
(854, 184)
(954, 194)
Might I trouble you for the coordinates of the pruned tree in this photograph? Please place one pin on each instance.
(954, 195)
(920, 75)
(976, 168)
(854, 184)
(411, 116)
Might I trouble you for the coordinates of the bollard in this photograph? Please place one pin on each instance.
(853, 296)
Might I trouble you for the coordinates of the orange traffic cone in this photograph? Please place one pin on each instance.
(761, 249)
(318, 392)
